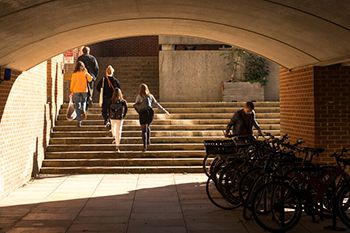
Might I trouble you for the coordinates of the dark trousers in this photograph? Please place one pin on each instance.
(90, 93)
(105, 108)
(146, 134)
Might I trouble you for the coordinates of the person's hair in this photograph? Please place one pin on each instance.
(79, 67)
(144, 91)
(250, 105)
(117, 95)
(86, 50)
(109, 70)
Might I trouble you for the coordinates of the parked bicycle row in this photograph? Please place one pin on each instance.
(277, 182)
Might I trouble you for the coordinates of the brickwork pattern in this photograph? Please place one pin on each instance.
(143, 46)
(297, 104)
(332, 105)
(26, 122)
(131, 72)
(315, 105)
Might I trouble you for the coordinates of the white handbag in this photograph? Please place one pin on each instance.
(100, 102)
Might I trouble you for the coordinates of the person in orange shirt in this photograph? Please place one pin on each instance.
(79, 88)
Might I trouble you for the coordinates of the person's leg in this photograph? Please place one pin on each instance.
(148, 134)
(76, 100)
(105, 110)
(91, 84)
(114, 129)
(119, 128)
(84, 104)
(144, 136)
(108, 103)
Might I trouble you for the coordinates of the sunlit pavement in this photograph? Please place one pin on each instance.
(152, 203)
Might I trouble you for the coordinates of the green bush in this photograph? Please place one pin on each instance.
(255, 68)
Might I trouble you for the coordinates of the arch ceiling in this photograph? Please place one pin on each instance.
(293, 33)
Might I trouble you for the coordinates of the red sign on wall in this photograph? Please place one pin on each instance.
(69, 56)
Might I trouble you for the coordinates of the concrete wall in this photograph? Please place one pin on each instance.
(191, 75)
(29, 105)
(198, 76)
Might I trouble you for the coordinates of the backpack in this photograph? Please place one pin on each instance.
(117, 110)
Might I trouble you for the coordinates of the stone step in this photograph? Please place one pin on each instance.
(167, 122)
(124, 154)
(128, 140)
(124, 147)
(190, 110)
(121, 170)
(203, 104)
(168, 133)
(159, 127)
(177, 140)
(103, 133)
(196, 116)
(130, 162)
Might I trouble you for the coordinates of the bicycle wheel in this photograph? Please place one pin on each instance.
(209, 164)
(276, 207)
(343, 205)
(247, 182)
(230, 178)
(215, 193)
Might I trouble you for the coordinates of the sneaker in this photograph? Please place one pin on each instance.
(108, 125)
(144, 149)
(117, 150)
(79, 124)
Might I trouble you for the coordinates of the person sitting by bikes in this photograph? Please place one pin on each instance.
(242, 123)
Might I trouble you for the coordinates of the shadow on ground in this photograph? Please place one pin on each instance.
(173, 208)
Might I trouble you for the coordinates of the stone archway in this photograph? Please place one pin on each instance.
(291, 34)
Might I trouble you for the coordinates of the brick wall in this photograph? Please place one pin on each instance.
(297, 104)
(131, 72)
(29, 104)
(332, 105)
(315, 105)
(141, 46)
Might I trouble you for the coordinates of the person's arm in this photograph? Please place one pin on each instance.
(256, 124)
(138, 99)
(96, 67)
(72, 84)
(155, 104)
(125, 108)
(116, 83)
(231, 123)
(88, 76)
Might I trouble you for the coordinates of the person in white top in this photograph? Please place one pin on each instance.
(144, 104)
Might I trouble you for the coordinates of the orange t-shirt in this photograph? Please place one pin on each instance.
(79, 80)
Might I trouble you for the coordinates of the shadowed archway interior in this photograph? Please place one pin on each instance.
(291, 33)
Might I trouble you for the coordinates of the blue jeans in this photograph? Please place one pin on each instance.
(79, 100)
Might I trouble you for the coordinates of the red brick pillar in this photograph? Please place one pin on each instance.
(315, 106)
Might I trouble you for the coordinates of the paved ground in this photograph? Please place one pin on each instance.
(164, 203)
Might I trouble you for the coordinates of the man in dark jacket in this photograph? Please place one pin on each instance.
(243, 121)
(91, 65)
(110, 83)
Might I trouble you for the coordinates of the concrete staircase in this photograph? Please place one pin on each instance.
(177, 140)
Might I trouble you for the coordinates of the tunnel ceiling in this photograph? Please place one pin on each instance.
(293, 33)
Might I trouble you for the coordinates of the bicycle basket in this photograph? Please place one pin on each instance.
(220, 147)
